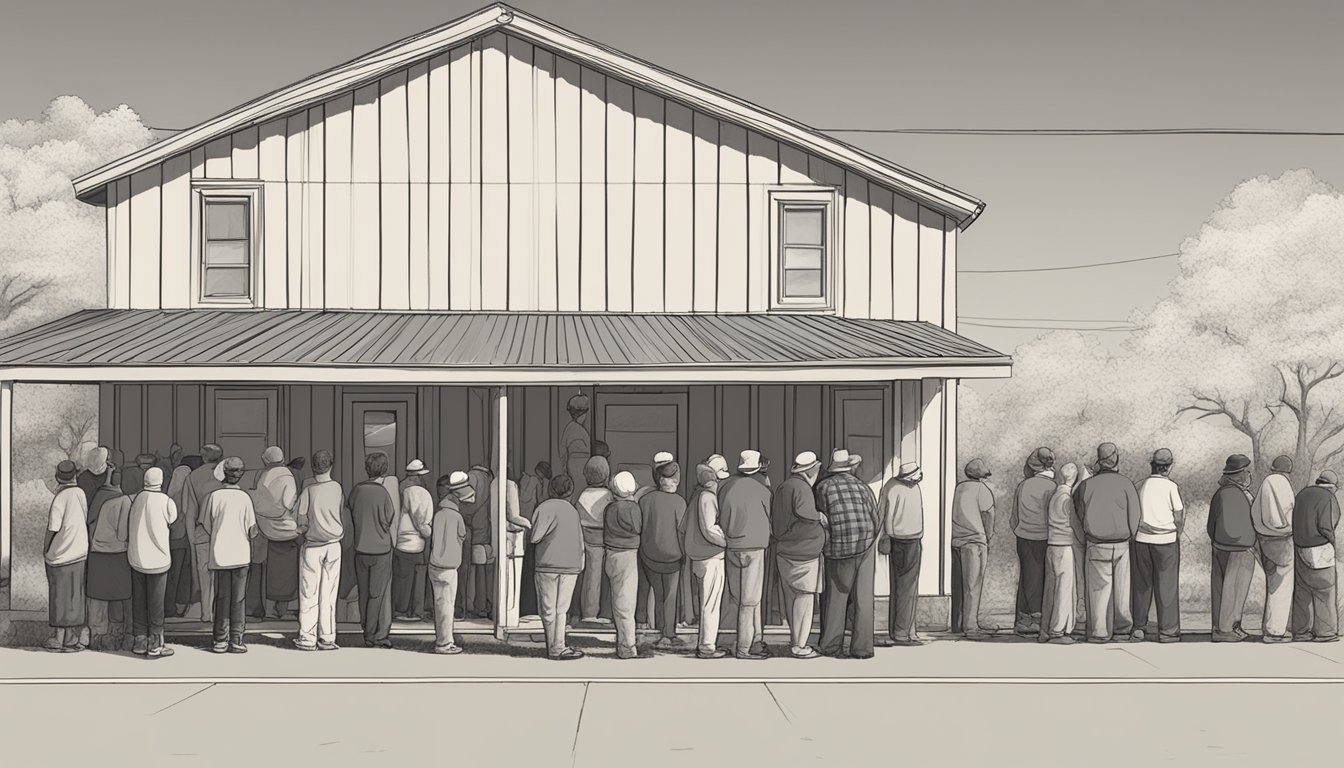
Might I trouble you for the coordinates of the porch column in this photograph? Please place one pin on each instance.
(504, 616)
(6, 485)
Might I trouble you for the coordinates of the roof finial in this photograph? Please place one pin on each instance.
(505, 15)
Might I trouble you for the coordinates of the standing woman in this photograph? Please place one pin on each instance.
(276, 500)
(65, 553)
(109, 570)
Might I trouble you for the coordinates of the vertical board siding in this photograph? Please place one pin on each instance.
(931, 462)
(949, 273)
(499, 175)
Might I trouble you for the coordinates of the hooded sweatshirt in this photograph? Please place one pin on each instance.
(1315, 516)
(1230, 527)
(1272, 510)
(704, 537)
(744, 511)
(1032, 506)
(275, 500)
(1107, 504)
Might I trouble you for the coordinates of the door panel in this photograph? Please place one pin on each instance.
(243, 422)
(378, 422)
(635, 426)
(860, 418)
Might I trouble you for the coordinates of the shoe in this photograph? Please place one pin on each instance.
(302, 646)
(1227, 637)
(883, 642)
(860, 655)
(323, 645)
(664, 643)
(1131, 638)
(1042, 638)
(1275, 638)
(977, 635)
(384, 644)
(1239, 632)
(717, 653)
(760, 647)
(908, 642)
(751, 655)
(1168, 638)
(1325, 639)
(451, 649)
(141, 646)
(220, 647)
(568, 654)
(1303, 637)
(1138, 635)
(402, 618)
(157, 649)
(627, 653)
(54, 645)
(1062, 640)
(237, 646)
(804, 653)
(990, 628)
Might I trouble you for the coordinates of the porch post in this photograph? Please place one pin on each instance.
(498, 499)
(6, 486)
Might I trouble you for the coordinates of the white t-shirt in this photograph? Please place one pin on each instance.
(1159, 501)
(68, 519)
(151, 514)
(230, 517)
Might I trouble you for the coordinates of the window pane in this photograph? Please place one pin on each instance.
(225, 221)
(380, 431)
(802, 283)
(222, 282)
(802, 226)
(226, 252)
(802, 258)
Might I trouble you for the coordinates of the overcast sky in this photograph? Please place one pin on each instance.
(838, 64)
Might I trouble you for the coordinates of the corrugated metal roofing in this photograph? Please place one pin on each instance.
(483, 339)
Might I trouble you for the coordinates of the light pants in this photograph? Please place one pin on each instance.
(1058, 602)
(1229, 583)
(708, 575)
(968, 577)
(1314, 608)
(319, 578)
(513, 572)
(1108, 592)
(554, 593)
(800, 604)
(443, 584)
(622, 568)
(1276, 557)
(205, 580)
(746, 579)
(590, 595)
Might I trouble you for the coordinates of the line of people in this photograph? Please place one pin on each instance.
(1092, 545)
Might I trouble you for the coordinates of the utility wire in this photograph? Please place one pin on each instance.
(1066, 267)
(1086, 131)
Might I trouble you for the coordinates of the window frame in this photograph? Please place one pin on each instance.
(825, 199)
(203, 194)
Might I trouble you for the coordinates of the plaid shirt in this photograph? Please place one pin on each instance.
(849, 506)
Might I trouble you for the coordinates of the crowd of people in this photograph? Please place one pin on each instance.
(1096, 552)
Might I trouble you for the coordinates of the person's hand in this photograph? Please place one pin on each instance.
(884, 546)
(825, 521)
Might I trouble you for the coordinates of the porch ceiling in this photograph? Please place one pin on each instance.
(499, 341)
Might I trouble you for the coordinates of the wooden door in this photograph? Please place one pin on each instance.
(244, 422)
(377, 422)
(637, 425)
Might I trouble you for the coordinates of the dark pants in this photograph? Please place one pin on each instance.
(409, 571)
(147, 590)
(177, 590)
(903, 568)
(849, 594)
(1030, 582)
(642, 612)
(1314, 607)
(664, 606)
(1156, 574)
(230, 604)
(256, 591)
(374, 575)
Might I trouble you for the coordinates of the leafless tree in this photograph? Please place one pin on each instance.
(14, 296)
(77, 429)
(1244, 417)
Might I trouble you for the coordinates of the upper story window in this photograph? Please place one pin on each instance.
(803, 248)
(227, 254)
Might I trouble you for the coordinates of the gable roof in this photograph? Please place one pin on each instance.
(372, 66)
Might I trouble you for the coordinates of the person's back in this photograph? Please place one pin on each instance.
(1315, 516)
(1061, 524)
(1032, 507)
(1108, 505)
(109, 515)
(371, 514)
(744, 512)
(663, 515)
(273, 501)
(229, 517)
(592, 506)
(448, 531)
(556, 533)
(200, 484)
(795, 523)
(68, 520)
(971, 501)
(1272, 509)
(319, 512)
(850, 510)
(1230, 526)
(1159, 501)
(622, 524)
(151, 515)
(417, 508)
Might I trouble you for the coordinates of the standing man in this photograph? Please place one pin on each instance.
(1315, 517)
(623, 525)
(320, 522)
(1157, 551)
(852, 526)
(972, 527)
(704, 547)
(448, 532)
(152, 514)
(575, 441)
(799, 533)
(1107, 505)
(199, 484)
(480, 576)
(559, 549)
(108, 569)
(592, 506)
(372, 515)
(1233, 537)
(1028, 522)
(744, 516)
(514, 546)
(901, 510)
(276, 497)
(177, 595)
(66, 551)
(133, 477)
(91, 478)
(1272, 518)
(410, 561)
(230, 525)
(533, 488)
(663, 515)
(1057, 605)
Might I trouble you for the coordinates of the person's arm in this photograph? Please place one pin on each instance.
(542, 526)
(987, 511)
(707, 513)
(1013, 516)
(1177, 510)
(55, 517)
(1215, 511)
(1329, 519)
(511, 506)
(172, 516)
(423, 518)
(1132, 498)
(250, 520)
(289, 492)
(387, 511)
(302, 509)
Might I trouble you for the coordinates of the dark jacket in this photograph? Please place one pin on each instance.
(795, 522)
(744, 512)
(1108, 506)
(1315, 516)
(1230, 527)
(663, 523)
(371, 513)
(623, 522)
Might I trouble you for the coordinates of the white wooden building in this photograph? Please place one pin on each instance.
(455, 233)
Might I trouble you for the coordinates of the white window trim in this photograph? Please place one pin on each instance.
(777, 197)
(202, 192)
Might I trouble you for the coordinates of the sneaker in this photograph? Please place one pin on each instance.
(804, 653)
(237, 646)
(1275, 638)
(1239, 632)
(323, 645)
(1228, 637)
(302, 646)
(1138, 635)
(568, 654)
(717, 653)
(220, 647)
(141, 646)
(452, 649)
(753, 655)
(1325, 639)
(627, 653)
(760, 647)
(977, 635)
(1303, 637)
(907, 642)
(159, 651)
(1168, 638)
(1131, 638)
(1062, 640)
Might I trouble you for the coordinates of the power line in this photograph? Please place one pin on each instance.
(1067, 267)
(1086, 131)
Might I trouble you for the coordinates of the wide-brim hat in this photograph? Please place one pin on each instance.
(749, 462)
(719, 465)
(908, 470)
(458, 480)
(805, 461)
(416, 467)
(1236, 463)
(843, 461)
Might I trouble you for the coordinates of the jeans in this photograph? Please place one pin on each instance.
(1057, 604)
(590, 598)
(622, 569)
(408, 583)
(178, 589)
(1276, 557)
(374, 574)
(903, 561)
(443, 583)
(147, 591)
(664, 608)
(554, 593)
(1157, 570)
(200, 554)
(319, 577)
(1230, 582)
(1314, 608)
(849, 595)
(1030, 582)
(230, 591)
(1108, 592)
(968, 576)
(746, 580)
(799, 603)
(708, 576)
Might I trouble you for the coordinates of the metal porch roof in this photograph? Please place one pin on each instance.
(513, 340)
